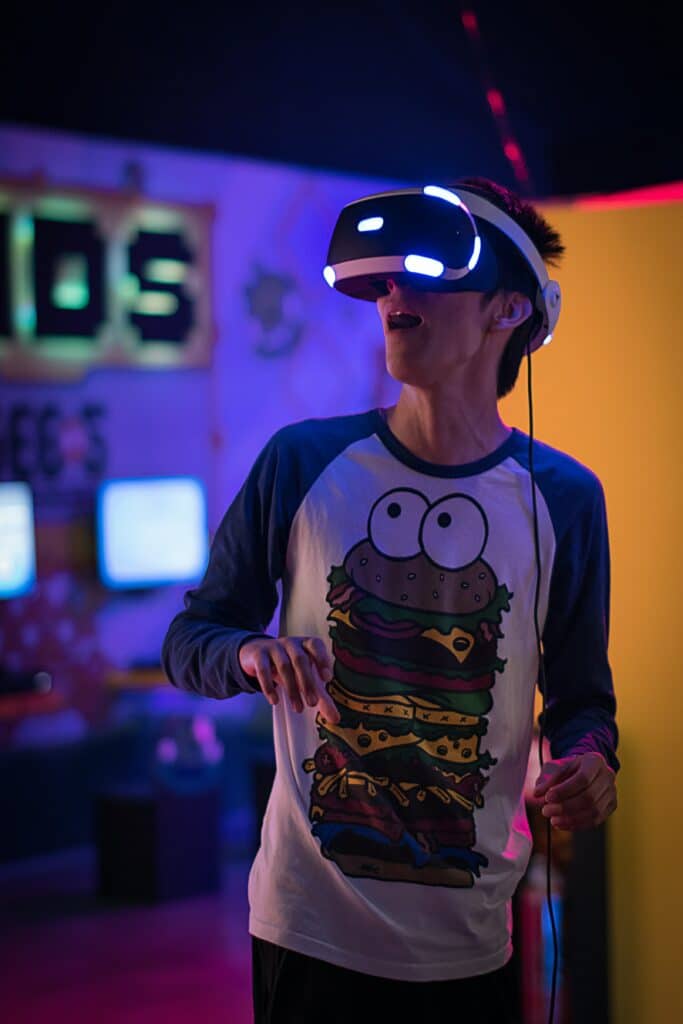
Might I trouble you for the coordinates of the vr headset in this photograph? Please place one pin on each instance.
(440, 240)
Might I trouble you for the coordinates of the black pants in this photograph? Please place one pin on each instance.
(291, 988)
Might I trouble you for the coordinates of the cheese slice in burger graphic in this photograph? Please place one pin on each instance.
(415, 618)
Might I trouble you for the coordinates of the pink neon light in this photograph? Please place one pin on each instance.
(496, 102)
(167, 750)
(469, 20)
(511, 150)
(671, 192)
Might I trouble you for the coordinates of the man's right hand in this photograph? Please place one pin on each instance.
(301, 665)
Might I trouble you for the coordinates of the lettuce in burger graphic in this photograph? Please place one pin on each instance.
(415, 622)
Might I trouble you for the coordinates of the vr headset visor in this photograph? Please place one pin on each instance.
(443, 240)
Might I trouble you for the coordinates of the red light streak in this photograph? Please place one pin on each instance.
(469, 20)
(671, 192)
(496, 101)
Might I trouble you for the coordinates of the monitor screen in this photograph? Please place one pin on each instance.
(151, 531)
(17, 540)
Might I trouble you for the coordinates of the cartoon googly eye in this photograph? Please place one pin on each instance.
(394, 524)
(453, 532)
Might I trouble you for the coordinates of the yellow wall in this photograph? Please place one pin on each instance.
(608, 390)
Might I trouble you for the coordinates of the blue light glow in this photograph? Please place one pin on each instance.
(17, 540)
(151, 531)
(423, 265)
(330, 276)
(442, 193)
(371, 224)
(476, 253)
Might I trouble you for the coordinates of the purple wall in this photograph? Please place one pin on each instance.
(321, 355)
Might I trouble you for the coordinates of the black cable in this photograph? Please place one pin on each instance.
(541, 665)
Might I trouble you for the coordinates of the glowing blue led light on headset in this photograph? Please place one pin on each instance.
(437, 192)
(423, 265)
(442, 193)
(371, 224)
(476, 253)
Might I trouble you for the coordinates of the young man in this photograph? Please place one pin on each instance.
(402, 680)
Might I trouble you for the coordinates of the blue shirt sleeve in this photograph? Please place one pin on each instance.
(237, 597)
(580, 701)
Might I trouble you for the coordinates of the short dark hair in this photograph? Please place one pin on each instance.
(550, 247)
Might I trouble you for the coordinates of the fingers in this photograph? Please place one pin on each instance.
(587, 810)
(322, 657)
(580, 793)
(314, 665)
(587, 819)
(322, 669)
(577, 805)
(552, 772)
(585, 776)
(327, 707)
(576, 792)
(287, 675)
(298, 665)
(264, 674)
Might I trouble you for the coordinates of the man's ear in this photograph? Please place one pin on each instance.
(512, 309)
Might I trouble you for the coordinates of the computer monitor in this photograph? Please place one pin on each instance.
(151, 531)
(17, 540)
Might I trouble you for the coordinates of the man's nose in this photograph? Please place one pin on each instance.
(388, 285)
(399, 282)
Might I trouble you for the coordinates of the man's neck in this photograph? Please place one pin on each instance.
(445, 429)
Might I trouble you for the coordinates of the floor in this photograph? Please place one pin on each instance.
(67, 959)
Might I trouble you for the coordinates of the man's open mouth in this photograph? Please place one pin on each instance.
(401, 321)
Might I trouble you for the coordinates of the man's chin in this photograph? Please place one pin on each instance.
(410, 371)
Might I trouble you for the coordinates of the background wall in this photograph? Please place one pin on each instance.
(607, 391)
(278, 357)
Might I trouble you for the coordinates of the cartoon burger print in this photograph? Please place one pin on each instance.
(415, 623)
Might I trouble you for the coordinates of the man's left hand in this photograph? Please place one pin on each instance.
(576, 792)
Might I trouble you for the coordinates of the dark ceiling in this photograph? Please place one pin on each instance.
(395, 90)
